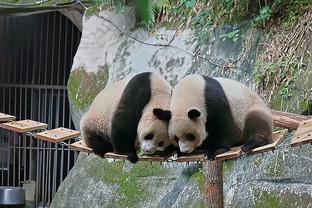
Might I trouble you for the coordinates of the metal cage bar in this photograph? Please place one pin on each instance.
(36, 54)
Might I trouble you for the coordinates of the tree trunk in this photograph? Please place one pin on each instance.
(213, 193)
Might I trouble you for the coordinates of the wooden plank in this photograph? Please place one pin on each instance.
(236, 152)
(303, 135)
(23, 126)
(5, 117)
(113, 155)
(158, 156)
(80, 146)
(233, 153)
(288, 120)
(197, 155)
(277, 137)
(57, 135)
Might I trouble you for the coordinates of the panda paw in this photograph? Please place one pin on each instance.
(133, 157)
(212, 155)
(252, 144)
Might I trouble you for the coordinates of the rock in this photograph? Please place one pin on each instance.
(282, 178)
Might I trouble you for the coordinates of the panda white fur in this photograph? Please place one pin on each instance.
(216, 114)
(126, 111)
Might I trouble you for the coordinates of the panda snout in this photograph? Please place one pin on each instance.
(186, 147)
(148, 147)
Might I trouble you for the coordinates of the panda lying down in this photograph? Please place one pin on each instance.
(127, 110)
(212, 114)
(216, 114)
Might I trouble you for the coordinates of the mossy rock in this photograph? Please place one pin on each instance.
(83, 86)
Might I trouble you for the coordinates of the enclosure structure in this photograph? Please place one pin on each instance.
(36, 55)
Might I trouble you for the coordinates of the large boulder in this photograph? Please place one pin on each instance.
(106, 54)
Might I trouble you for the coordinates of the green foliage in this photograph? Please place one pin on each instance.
(199, 178)
(265, 15)
(233, 35)
(267, 200)
(145, 10)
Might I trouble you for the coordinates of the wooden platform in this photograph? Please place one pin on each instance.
(80, 146)
(115, 156)
(193, 157)
(278, 136)
(23, 126)
(158, 156)
(57, 135)
(236, 152)
(5, 117)
(303, 134)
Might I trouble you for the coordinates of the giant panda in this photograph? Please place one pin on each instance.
(127, 112)
(215, 114)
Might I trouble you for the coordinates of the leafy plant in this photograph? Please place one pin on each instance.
(233, 35)
(265, 14)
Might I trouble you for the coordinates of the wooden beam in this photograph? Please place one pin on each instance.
(213, 187)
(288, 120)
(303, 134)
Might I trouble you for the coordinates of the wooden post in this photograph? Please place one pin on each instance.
(213, 193)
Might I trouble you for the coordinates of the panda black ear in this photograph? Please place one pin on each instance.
(167, 115)
(162, 114)
(193, 113)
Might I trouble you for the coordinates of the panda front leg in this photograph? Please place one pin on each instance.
(212, 154)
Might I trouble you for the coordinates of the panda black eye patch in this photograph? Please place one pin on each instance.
(176, 139)
(149, 137)
(190, 137)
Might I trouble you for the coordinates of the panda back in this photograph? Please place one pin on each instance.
(104, 105)
(240, 98)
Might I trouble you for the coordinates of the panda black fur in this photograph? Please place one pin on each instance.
(216, 114)
(127, 110)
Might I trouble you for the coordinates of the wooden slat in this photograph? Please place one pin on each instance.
(80, 146)
(278, 136)
(233, 153)
(57, 135)
(158, 156)
(303, 134)
(288, 120)
(192, 157)
(5, 117)
(23, 126)
(112, 155)
(236, 152)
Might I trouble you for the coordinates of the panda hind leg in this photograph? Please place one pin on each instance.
(258, 129)
(99, 144)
